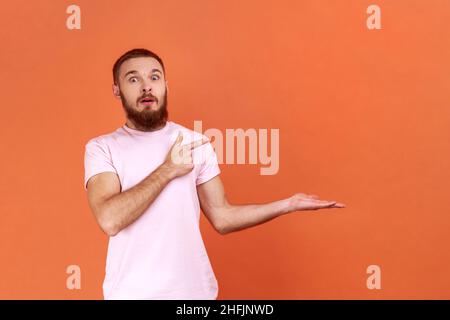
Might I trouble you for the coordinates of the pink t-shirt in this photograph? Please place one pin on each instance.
(161, 255)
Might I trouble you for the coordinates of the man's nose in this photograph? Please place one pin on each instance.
(147, 86)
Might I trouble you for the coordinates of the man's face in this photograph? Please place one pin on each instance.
(141, 79)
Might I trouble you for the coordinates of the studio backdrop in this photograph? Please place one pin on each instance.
(348, 100)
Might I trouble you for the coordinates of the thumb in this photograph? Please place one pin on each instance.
(179, 138)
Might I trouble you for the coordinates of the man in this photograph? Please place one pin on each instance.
(146, 183)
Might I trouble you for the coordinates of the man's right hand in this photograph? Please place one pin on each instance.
(179, 158)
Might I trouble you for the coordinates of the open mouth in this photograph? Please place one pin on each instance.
(147, 101)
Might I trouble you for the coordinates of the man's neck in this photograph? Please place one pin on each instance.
(131, 125)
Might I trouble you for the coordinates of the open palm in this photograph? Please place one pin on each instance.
(301, 201)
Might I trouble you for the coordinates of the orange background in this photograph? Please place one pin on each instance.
(363, 117)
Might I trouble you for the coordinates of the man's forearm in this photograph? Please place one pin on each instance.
(124, 208)
(238, 217)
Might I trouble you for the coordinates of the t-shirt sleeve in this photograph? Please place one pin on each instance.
(97, 159)
(209, 166)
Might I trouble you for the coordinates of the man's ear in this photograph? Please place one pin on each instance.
(116, 90)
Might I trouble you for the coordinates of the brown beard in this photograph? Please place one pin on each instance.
(147, 119)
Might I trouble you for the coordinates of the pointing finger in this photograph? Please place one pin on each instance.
(197, 143)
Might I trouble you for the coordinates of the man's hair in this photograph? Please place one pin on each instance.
(134, 53)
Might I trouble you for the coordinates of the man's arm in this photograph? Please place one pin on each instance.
(227, 218)
(116, 210)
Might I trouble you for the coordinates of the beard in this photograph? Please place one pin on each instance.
(147, 119)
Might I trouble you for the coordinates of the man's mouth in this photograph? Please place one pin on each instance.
(147, 101)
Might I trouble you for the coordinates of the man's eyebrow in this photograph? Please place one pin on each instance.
(134, 71)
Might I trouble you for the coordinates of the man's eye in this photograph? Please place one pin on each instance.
(131, 79)
(157, 77)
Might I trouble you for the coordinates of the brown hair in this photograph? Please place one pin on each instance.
(134, 53)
